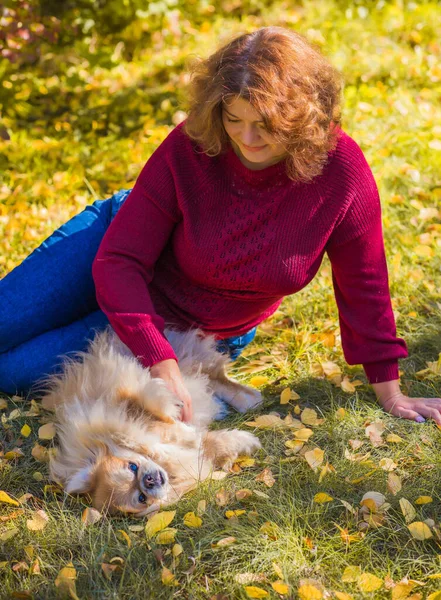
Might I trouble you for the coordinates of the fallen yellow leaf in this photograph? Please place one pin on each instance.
(6, 498)
(65, 581)
(367, 582)
(230, 514)
(285, 396)
(351, 574)
(340, 414)
(192, 520)
(167, 577)
(47, 432)
(314, 458)
(166, 536)
(321, 498)
(8, 534)
(343, 596)
(392, 438)
(424, 500)
(309, 417)
(394, 483)
(402, 590)
(258, 380)
(280, 587)
(125, 536)
(159, 521)
(255, 592)
(227, 541)
(420, 531)
(309, 592)
(408, 510)
(38, 522)
(347, 386)
(25, 430)
(266, 477)
(303, 434)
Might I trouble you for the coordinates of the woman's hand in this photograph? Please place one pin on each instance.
(169, 371)
(396, 403)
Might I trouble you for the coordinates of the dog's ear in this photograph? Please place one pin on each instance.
(81, 482)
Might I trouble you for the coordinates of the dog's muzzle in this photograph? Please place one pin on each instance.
(153, 480)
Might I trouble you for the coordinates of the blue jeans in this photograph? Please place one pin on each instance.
(48, 306)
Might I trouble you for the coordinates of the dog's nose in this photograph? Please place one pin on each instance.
(154, 479)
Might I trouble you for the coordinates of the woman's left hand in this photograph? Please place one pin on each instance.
(417, 409)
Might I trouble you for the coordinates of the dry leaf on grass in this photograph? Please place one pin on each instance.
(394, 483)
(280, 587)
(255, 592)
(374, 432)
(351, 574)
(314, 458)
(158, 522)
(38, 522)
(424, 500)
(25, 430)
(266, 477)
(47, 432)
(408, 510)
(227, 541)
(6, 498)
(309, 417)
(420, 531)
(322, 498)
(90, 516)
(247, 578)
(309, 591)
(65, 581)
(192, 520)
(166, 536)
(222, 497)
(368, 582)
(167, 577)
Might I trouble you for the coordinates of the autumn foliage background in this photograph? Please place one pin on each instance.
(344, 501)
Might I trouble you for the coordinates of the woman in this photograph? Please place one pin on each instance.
(232, 212)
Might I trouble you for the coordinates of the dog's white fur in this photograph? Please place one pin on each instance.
(111, 412)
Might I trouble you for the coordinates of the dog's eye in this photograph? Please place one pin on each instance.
(133, 467)
(142, 498)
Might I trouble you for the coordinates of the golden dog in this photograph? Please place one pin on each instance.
(120, 436)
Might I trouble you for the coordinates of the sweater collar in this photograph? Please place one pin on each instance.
(272, 174)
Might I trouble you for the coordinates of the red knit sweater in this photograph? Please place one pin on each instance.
(206, 242)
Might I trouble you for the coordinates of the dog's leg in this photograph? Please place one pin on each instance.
(156, 399)
(224, 446)
(240, 397)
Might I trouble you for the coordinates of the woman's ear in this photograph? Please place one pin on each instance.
(82, 481)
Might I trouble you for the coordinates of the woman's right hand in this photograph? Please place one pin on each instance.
(169, 371)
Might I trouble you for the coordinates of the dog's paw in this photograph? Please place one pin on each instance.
(244, 398)
(247, 443)
(244, 444)
(171, 410)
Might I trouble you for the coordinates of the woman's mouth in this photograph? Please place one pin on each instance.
(254, 148)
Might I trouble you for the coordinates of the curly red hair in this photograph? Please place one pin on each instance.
(285, 79)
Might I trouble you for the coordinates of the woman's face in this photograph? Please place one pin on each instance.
(251, 142)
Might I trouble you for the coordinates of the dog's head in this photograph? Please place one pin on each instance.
(130, 483)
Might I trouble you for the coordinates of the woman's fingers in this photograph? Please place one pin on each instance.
(430, 412)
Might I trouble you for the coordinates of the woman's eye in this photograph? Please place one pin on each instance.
(133, 467)
(232, 121)
(142, 498)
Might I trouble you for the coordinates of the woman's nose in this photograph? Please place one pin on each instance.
(251, 137)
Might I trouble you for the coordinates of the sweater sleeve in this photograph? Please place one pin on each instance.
(360, 278)
(125, 262)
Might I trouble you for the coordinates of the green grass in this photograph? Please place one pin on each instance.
(83, 121)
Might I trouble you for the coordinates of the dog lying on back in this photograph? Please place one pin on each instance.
(119, 431)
